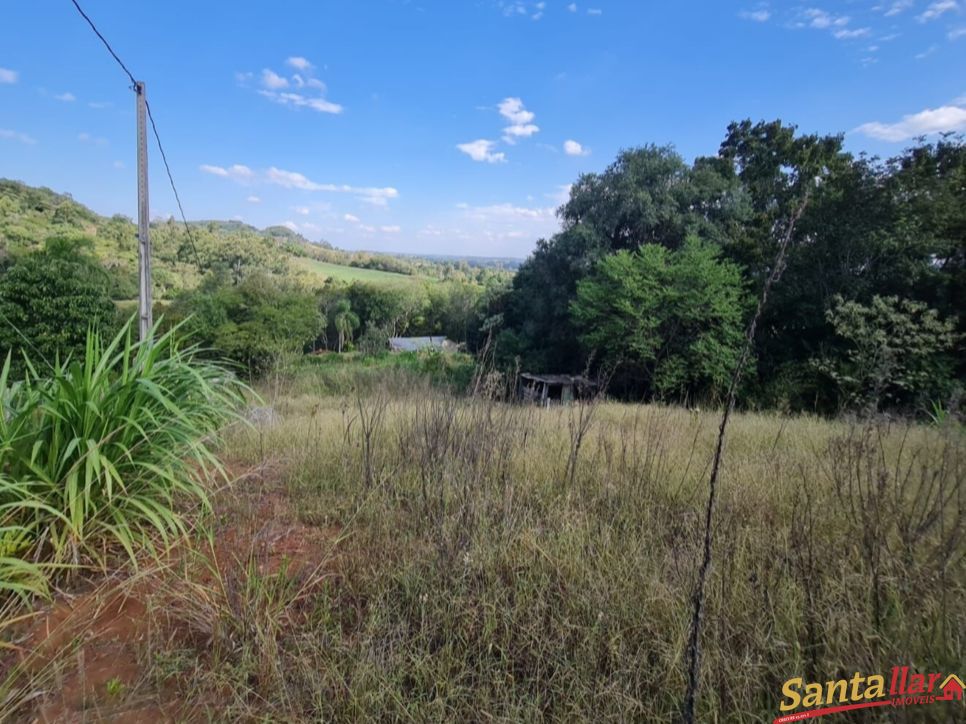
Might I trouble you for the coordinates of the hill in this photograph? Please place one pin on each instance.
(30, 215)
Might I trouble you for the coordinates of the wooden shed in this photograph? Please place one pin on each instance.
(549, 389)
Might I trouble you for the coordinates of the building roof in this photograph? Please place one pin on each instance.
(414, 344)
(558, 379)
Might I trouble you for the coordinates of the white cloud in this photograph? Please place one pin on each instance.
(512, 109)
(572, 148)
(595, 11)
(937, 10)
(66, 97)
(846, 34)
(274, 85)
(495, 224)
(237, 172)
(118, 164)
(957, 33)
(897, 7)
(8, 76)
(253, 200)
(390, 229)
(291, 226)
(522, 130)
(214, 170)
(482, 150)
(272, 80)
(7, 134)
(99, 104)
(572, 7)
(292, 179)
(931, 120)
(821, 20)
(520, 118)
(351, 218)
(518, 8)
(927, 52)
(303, 210)
(509, 211)
(561, 195)
(297, 99)
(759, 16)
(299, 63)
(88, 138)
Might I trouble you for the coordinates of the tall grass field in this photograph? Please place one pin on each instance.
(400, 553)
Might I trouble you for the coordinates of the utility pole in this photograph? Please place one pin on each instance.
(145, 314)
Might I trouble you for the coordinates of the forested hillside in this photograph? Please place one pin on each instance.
(29, 216)
(651, 280)
(248, 295)
(660, 262)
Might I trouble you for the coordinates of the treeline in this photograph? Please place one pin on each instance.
(660, 263)
(262, 319)
(50, 297)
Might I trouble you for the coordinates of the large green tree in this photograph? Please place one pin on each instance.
(671, 318)
(649, 195)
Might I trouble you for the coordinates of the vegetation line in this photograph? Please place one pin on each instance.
(694, 638)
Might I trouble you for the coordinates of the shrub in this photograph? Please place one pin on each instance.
(95, 453)
(253, 323)
(896, 353)
(48, 299)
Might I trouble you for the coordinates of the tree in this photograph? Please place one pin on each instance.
(648, 195)
(49, 299)
(896, 352)
(672, 318)
(253, 322)
(346, 322)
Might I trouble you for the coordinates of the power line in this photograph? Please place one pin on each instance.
(174, 188)
(154, 128)
(106, 44)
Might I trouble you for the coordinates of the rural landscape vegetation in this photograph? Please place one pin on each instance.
(261, 513)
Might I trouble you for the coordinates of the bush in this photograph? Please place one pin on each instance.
(98, 452)
(49, 299)
(253, 323)
(896, 353)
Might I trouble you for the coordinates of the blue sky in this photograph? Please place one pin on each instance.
(446, 126)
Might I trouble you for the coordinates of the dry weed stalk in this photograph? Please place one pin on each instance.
(693, 653)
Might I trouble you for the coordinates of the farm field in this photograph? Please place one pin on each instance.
(325, 270)
(395, 552)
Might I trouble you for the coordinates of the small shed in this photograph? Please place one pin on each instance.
(418, 344)
(547, 389)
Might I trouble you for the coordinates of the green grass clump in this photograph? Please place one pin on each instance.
(96, 452)
(333, 374)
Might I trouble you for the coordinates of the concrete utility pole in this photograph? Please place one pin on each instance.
(145, 314)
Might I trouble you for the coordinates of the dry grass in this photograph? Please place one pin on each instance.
(459, 560)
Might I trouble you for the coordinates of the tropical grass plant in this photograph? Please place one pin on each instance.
(95, 453)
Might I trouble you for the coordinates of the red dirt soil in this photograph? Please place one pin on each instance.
(89, 649)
